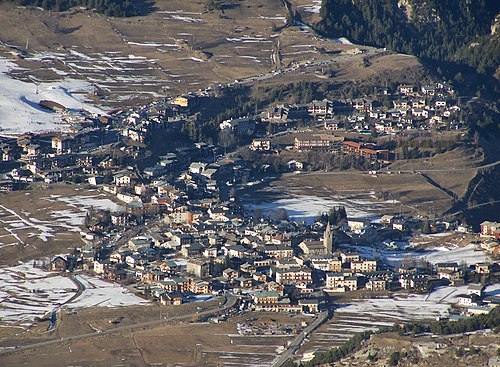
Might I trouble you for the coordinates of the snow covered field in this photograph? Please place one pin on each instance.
(469, 254)
(314, 7)
(27, 292)
(98, 292)
(372, 314)
(305, 207)
(19, 109)
(80, 204)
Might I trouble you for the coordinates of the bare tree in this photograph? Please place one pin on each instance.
(226, 139)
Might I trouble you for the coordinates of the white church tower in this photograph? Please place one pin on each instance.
(328, 239)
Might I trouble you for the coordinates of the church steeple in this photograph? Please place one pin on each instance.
(328, 239)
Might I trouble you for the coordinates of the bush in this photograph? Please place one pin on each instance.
(394, 359)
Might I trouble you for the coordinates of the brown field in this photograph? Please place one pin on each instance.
(176, 49)
(35, 224)
(182, 344)
(462, 160)
(415, 195)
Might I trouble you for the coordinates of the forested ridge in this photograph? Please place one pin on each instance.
(442, 30)
(114, 8)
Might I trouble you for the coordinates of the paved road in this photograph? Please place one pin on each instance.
(230, 301)
(297, 342)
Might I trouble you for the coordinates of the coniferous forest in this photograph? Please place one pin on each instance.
(114, 8)
(457, 31)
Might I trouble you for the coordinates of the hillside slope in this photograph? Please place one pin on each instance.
(463, 31)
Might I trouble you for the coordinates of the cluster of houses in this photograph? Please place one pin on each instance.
(204, 246)
(475, 302)
(408, 107)
(194, 237)
(98, 145)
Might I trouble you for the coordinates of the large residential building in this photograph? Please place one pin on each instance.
(292, 276)
(364, 266)
(490, 229)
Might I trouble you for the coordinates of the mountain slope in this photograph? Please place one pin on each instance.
(461, 31)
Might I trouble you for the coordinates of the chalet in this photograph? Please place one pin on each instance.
(332, 125)
(62, 144)
(490, 229)
(32, 150)
(123, 178)
(199, 286)
(288, 263)
(192, 249)
(482, 268)
(400, 224)
(186, 101)
(359, 104)
(197, 167)
(420, 112)
(414, 281)
(453, 276)
(181, 239)
(347, 257)
(451, 266)
(171, 298)
(309, 305)
(310, 354)
(265, 297)
(59, 264)
(95, 180)
(102, 266)
(475, 289)
(238, 251)
(259, 277)
(319, 108)
(357, 225)
(406, 89)
(244, 282)
(466, 300)
(441, 103)
(376, 285)
(230, 274)
(428, 90)
(387, 220)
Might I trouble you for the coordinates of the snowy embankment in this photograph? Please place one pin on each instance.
(19, 108)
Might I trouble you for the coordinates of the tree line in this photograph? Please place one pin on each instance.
(113, 8)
